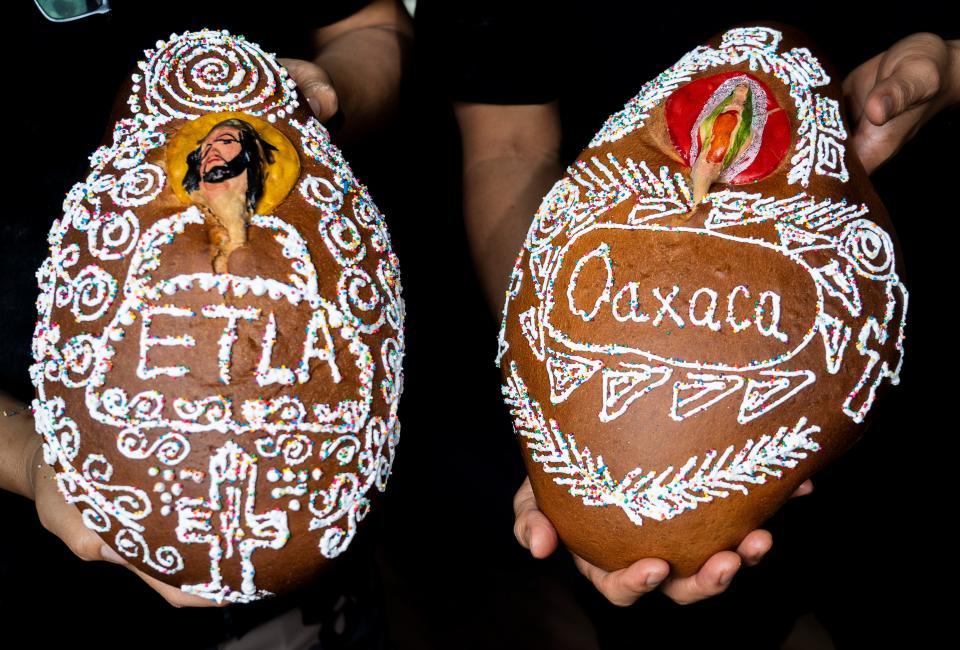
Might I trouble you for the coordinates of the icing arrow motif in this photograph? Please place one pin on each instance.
(836, 334)
(794, 240)
(532, 332)
(708, 390)
(621, 389)
(842, 285)
(761, 397)
(567, 373)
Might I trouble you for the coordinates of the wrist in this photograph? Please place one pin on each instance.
(365, 67)
(32, 467)
(20, 448)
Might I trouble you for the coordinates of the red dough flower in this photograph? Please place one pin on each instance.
(684, 111)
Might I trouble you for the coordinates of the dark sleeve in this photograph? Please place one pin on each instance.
(183, 15)
(490, 52)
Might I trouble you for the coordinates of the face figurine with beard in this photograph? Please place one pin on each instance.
(216, 182)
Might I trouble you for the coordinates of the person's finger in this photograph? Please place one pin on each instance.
(875, 145)
(803, 489)
(713, 578)
(63, 519)
(913, 82)
(316, 86)
(624, 587)
(857, 85)
(173, 595)
(754, 546)
(531, 527)
(535, 533)
(911, 72)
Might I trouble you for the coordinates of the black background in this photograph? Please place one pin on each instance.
(865, 552)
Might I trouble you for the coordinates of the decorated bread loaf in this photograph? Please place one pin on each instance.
(220, 330)
(705, 308)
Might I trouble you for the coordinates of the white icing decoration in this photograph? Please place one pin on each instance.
(138, 186)
(708, 318)
(602, 252)
(804, 227)
(516, 279)
(771, 328)
(567, 373)
(665, 308)
(227, 521)
(620, 389)
(764, 395)
(209, 71)
(147, 342)
(650, 494)
(340, 500)
(232, 315)
(113, 236)
(100, 222)
(704, 391)
(91, 292)
(321, 193)
(868, 248)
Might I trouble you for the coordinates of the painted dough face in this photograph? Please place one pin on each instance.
(218, 148)
(231, 158)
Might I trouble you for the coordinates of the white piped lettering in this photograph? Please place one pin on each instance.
(772, 328)
(147, 342)
(709, 316)
(738, 326)
(229, 336)
(666, 309)
(629, 302)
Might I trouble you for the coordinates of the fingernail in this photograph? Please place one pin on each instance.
(110, 555)
(535, 551)
(726, 578)
(887, 104)
(313, 104)
(655, 578)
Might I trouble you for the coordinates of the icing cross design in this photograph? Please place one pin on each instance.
(226, 521)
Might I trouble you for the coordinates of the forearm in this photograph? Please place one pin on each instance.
(365, 56)
(954, 81)
(510, 160)
(19, 446)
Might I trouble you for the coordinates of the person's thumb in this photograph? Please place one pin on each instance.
(909, 75)
(531, 527)
(315, 85)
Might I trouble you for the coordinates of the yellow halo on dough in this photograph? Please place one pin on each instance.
(279, 176)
